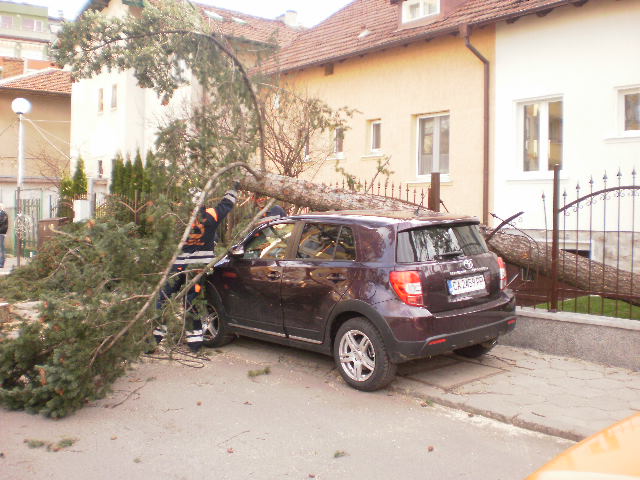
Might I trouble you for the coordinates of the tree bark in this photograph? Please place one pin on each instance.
(320, 197)
(580, 272)
(591, 276)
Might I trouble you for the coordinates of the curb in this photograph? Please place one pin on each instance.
(404, 386)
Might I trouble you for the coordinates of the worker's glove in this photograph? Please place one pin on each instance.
(232, 196)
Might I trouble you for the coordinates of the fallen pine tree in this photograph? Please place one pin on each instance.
(575, 270)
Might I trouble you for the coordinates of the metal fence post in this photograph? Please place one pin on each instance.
(555, 240)
(434, 192)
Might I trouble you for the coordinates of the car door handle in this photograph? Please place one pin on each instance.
(336, 277)
(273, 275)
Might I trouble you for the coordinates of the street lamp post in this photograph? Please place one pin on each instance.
(20, 106)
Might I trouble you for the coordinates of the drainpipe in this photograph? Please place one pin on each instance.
(465, 31)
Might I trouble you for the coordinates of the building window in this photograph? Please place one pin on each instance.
(433, 144)
(114, 96)
(307, 151)
(631, 109)
(100, 100)
(6, 22)
(416, 9)
(339, 141)
(375, 136)
(542, 127)
(32, 25)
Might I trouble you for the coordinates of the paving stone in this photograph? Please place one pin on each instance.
(585, 374)
(606, 384)
(566, 364)
(571, 401)
(548, 373)
(454, 375)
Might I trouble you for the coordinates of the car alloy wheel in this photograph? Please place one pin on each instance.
(361, 355)
(210, 326)
(214, 332)
(357, 355)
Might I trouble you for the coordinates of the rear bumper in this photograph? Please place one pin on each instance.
(446, 343)
(445, 334)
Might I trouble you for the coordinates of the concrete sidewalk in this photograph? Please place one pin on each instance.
(560, 396)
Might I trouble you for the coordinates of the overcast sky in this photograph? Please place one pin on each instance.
(310, 12)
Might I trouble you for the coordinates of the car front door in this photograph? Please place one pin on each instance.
(250, 284)
(315, 280)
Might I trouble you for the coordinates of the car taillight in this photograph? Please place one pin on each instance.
(408, 287)
(503, 273)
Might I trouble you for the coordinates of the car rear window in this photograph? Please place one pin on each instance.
(438, 242)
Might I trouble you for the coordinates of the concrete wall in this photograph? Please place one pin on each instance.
(610, 341)
(398, 85)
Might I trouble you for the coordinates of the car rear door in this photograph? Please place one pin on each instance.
(316, 278)
(458, 271)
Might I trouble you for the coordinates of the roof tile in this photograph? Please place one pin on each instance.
(256, 29)
(339, 36)
(50, 80)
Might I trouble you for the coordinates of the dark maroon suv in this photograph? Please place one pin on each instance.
(371, 288)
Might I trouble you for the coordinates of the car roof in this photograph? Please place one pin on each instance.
(402, 219)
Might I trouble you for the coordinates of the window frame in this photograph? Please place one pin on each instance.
(338, 141)
(114, 97)
(419, 118)
(406, 5)
(101, 100)
(11, 24)
(36, 24)
(622, 93)
(373, 136)
(543, 134)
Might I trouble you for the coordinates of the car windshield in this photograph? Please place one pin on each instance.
(438, 242)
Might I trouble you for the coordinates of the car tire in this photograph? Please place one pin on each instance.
(475, 351)
(361, 356)
(214, 332)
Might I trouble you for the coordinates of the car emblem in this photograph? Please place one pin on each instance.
(468, 264)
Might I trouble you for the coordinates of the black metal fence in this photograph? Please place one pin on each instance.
(587, 261)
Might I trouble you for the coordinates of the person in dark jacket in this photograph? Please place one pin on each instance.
(198, 249)
(274, 210)
(4, 225)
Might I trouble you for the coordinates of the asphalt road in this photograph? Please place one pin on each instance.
(169, 421)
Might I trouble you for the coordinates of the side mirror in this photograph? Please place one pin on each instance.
(236, 251)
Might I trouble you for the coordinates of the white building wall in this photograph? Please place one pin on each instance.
(583, 55)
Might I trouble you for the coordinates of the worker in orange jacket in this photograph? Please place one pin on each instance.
(197, 249)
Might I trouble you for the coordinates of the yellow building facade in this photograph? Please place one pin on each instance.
(403, 98)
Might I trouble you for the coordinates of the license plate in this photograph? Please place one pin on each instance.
(458, 286)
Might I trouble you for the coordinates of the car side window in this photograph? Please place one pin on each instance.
(326, 242)
(270, 242)
(318, 241)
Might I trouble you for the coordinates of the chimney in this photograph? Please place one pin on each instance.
(289, 18)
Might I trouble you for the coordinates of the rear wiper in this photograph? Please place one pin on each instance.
(455, 253)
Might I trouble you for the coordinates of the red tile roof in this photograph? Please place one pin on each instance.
(50, 80)
(247, 27)
(338, 37)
